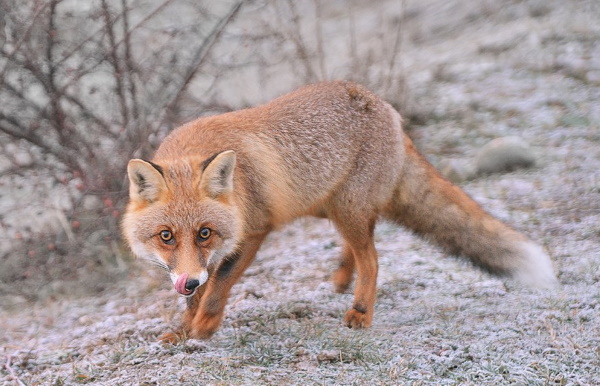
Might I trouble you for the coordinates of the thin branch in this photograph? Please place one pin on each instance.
(74, 136)
(352, 37)
(26, 134)
(19, 170)
(395, 50)
(11, 371)
(63, 154)
(56, 115)
(130, 68)
(86, 112)
(7, 86)
(50, 79)
(24, 37)
(301, 50)
(201, 55)
(146, 19)
(102, 31)
(319, 33)
(114, 61)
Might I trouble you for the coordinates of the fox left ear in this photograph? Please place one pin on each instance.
(146, 181)
(217, 177)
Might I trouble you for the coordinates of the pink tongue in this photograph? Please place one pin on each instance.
(180, 284)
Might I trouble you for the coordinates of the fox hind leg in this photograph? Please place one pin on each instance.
(342, 276)
(359, 240)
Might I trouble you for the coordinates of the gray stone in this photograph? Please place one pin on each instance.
(504, 154)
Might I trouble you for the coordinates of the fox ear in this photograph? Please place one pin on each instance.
(217, 177)
(146, 180)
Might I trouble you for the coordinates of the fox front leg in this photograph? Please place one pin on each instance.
(180, 335)
(209, 312)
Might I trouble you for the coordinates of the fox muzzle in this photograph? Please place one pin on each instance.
(187, 286)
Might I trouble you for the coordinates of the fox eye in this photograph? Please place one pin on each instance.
(166, 237)
(204, 233)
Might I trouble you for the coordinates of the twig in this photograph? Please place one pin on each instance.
(61, 153)
(395, 50)
(86, 112)
(129, 67)
(200, 55)
(114, 61)
(19, 170)
(56, 115)
(11, 371)
(352, 37)
(24, 37)
(301, 49)
(50, 83)
(102, 30)
(319, 32)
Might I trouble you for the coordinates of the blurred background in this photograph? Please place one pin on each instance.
(87, 85)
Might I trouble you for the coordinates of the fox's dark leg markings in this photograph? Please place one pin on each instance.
(360, 308)
(213, 304)
(228, 264)
(210, 312)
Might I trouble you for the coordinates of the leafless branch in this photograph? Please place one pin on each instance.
(200, 55)
(11, 371)
(130, 69)
(395, 51)
(65, 155)
(115, 62)
(23, 37)
(295, 35)
(319, 35)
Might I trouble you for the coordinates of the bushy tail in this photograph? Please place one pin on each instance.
(431, 206)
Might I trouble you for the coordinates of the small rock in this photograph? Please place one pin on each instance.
(504, 154)
(329, 356)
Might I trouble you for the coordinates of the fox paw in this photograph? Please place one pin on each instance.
(204, 326)
(173, 338)
(357, 319)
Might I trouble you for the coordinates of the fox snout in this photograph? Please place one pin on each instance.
(185, 284)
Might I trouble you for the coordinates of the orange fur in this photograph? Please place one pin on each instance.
(331, 150)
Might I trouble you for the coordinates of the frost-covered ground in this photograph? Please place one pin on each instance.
(477, 72)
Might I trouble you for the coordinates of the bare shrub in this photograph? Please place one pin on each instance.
(83, 89)
(322, 41)
(86, 87)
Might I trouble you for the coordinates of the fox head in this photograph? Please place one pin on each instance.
(182, 216)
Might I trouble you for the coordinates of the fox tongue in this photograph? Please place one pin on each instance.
(180, 284)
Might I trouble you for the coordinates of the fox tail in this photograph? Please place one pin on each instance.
(432, 207)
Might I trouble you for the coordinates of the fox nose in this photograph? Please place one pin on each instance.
(191, 285)
(186, 285)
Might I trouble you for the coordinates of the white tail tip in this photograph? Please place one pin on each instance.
(536, 268)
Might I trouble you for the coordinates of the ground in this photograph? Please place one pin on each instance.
(528, 68)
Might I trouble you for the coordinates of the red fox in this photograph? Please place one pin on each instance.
(218, 185)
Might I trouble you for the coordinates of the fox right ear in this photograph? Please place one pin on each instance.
(217, 176)
(146, 180)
